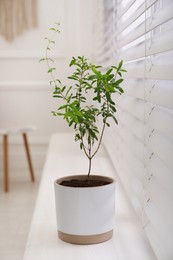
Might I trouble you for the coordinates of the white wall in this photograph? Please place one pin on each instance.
(25, 95)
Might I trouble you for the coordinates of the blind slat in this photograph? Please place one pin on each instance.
(162, 147)
(156, 168)
(157, 196)
(127, 119)
(133, 190)
(134, 88)
(160, 119)
(122, 10)
(157, 244)
(133, 106)
(163, 232)
(161, 17)
(160, 92)
(136, 165)
(131, 36)
(133, 142)
(135, 14)
(161, 43)
(157, 219)
(158, 67)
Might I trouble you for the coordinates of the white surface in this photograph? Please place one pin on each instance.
(128, 242)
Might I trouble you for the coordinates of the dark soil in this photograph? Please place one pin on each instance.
(84, 183)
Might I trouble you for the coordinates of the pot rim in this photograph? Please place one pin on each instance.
(82, 177)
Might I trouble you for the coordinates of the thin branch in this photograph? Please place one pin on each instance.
(90, 158)
(84, 148)
(101, 137)
(89, 169)
(48, 63)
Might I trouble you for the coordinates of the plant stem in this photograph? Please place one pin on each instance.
(101, 137)
(90, 158)
(103, 128)
(84, 148)
(89, 169)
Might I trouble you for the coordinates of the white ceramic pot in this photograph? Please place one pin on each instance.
(85, 215)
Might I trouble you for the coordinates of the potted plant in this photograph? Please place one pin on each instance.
(85, 204)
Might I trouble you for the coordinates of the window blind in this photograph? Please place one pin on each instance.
(141, 147)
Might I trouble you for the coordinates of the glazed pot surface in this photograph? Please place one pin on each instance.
(85, 212)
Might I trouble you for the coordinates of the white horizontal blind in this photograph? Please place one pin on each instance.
(141, 147)
(105, 32)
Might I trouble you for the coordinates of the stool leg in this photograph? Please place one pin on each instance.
(28, 156)
(5, 148)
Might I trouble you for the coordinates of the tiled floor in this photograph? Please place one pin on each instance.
(16, 208)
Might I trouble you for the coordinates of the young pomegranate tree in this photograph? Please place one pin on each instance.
(88, 100)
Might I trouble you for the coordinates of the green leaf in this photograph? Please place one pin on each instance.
(91, 77)
(119, 81)
(58, 80)
(120, 65)
(63, 88)
(114, 119)
(68, 91)
(77, 137)
(120, 89)
(114, 67)
(62, 107)
(71, 122)
(109, 71)
(93, 135)
(57, 96)
(110, 77)
(73, 61)
(73, 77)
(43, 59)
(99, 98)
(53, 29)
(51, 70)
(59, 114)
(108, 97)
(112, 102)
(113, 108)
(89, 139)
(95, 71)
(54, 113)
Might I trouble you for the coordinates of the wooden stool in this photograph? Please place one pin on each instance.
(5, 132)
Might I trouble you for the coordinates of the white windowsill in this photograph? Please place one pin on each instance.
(129, 241)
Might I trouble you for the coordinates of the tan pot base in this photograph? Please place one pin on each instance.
(85, 240)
